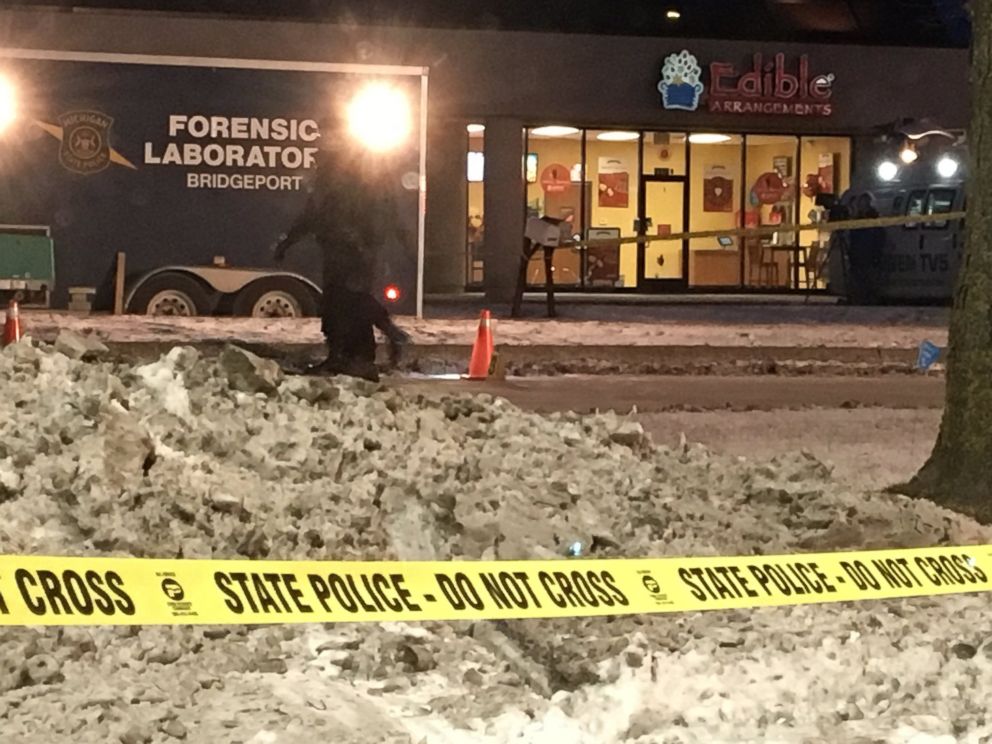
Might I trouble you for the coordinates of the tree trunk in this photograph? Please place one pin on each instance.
(959, 472)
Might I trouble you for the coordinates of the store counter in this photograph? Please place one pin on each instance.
(714, 267)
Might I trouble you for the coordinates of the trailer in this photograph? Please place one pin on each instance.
(190, 169)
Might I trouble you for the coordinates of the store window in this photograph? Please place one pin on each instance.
(475, 224)
(612, 192)
(715, 183)
(771, 199)
(599, 180)
(556, 187)
(825, 170)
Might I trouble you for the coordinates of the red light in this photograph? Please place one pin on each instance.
(392, 293)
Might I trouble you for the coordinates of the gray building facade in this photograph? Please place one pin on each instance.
(762, 95)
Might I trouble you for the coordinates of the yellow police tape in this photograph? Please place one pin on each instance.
(132, 591)
(907, 220)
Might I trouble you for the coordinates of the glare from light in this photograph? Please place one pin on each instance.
(617, 136)
(8, 103)
(708, 138)
(887, 170)
(392, 293)
(379, 117)
(673, 14)
(476, 167)
(908, 155)
(554, 131)
(947, 167)
(476, 128)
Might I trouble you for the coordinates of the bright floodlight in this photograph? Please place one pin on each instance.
(947, 167)
(887, 170)
(379, 117)
(8, 103)
(908, 155)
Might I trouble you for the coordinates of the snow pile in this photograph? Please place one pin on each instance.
(226, 457)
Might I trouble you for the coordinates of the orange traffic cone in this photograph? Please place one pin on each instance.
(12, 328)
(482, 351)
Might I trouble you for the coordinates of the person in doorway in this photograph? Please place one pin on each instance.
(348, 211)
(865, 249)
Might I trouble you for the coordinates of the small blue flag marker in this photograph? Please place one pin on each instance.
(928, 354)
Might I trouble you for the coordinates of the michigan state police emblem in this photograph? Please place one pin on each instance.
(85, 141)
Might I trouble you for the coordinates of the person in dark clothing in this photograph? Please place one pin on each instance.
(838, 244)
(865, 251)
(347, 212)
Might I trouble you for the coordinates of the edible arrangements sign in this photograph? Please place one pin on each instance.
(774, 85)
(135, 591)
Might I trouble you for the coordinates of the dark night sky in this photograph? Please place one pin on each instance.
(907, 22)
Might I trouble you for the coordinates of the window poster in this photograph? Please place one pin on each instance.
(614, 183)
(604, 258)
(782, 165)
(825, 173)
(531, 167)
(718, 189)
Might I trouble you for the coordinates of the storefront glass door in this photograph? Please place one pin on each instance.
(663, 211)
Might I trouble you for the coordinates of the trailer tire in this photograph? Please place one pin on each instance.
(276, 297)
(173, 293)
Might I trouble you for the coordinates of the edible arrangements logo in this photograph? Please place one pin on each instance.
(771, 85)
(681, 86)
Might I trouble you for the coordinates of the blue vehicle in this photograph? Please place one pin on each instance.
(916, 262)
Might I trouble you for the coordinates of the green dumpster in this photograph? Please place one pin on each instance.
(27, 265)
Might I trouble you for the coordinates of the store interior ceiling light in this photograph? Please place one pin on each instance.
(707, 138)
(617, 136)
(476, 128)
(553, 131)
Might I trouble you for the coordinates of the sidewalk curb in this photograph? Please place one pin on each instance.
(543, 360)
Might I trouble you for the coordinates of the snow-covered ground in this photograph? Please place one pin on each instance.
(208, 457)
(677, 325)
(868, 448)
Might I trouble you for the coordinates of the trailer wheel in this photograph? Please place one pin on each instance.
(276, 297)
(173, 293)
